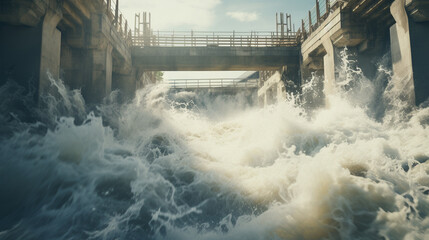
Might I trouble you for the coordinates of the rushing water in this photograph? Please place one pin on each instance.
(165, 166)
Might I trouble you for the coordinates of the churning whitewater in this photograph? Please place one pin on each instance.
(187, 166)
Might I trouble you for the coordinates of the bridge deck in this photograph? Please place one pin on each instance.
(215, 83)
(214, 58)
(218, 39)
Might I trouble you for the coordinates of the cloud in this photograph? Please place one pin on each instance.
(244, 16)
(171, 14)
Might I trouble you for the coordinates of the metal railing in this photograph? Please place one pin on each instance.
(118, 19)
(316, 16)
(212, 83)
(215, 39)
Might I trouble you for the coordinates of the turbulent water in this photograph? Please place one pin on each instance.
(165, 166)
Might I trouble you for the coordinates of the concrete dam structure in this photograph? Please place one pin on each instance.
(337, 149)
(89, 45)
(368, 29)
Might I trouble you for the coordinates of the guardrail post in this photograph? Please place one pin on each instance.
(318, 11)
(303, 26)
(328, 7)
(233, 38)
(116, 12)
(310, 24)
(126, 27)
(120, 24)
(109, 6)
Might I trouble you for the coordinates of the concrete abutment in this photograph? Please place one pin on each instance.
(409, 55)
(52, 39)
(401, 34)
(277, 85)
(79, 42)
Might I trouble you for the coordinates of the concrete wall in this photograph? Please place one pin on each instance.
(20, 55)
(74, 40)
(420, 58)
(50, 51)
(272, 91)
(30, 53)
(406, 40)
(279, 85)
(410, 52)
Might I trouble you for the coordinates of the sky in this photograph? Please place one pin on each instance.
(214, 15)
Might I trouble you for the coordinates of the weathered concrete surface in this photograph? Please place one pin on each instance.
(418, 10)
(99, 51)
(272, 91)
(20, 55)
(409, 56)
(31, 50)
(50, 51)
(340, 28)
(330, 62)
(214, 58)
(23, 12)
(281, 83)
(75, 40)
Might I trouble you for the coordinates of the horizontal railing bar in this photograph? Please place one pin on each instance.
(208, 79)
(211, 32)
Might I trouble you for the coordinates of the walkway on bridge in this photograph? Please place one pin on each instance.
(213, 83)
(213, 51)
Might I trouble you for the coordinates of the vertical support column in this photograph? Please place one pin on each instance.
(109, 6)
(277, 24)
(291, 79)
(329, 62)
(328, 7)
(101, 76)
(318, 11)
(303, 28)
(116, 12)
(126, 83)
(50, 51)
(409, 53)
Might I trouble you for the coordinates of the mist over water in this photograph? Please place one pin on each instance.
(191, 166)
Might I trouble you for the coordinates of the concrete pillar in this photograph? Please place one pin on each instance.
(291, 79)
(127, 84)
(330, 60)
(28, 53)
(409, 50)
(100, 82)
(75, 66)
(50, 51)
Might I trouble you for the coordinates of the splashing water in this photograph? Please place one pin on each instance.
(167, 167)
